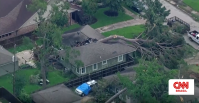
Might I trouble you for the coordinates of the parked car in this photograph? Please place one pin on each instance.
(85, 88)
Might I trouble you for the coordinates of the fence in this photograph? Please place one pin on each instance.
(99, 74)
(179, 20)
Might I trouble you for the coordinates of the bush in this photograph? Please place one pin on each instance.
(34, 79)
(69, 75)
(78, 2)
(24, 97)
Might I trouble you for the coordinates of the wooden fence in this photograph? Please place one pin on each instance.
(179, 20)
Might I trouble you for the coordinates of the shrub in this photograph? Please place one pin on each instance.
(24, 97)
(34, 79)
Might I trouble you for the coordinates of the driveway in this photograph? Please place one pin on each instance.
(176, 12)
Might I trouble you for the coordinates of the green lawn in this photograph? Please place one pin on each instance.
(103, 20)
(54, 78)
(71, 27)
(194, 4)
(128, 32)
(194, 68)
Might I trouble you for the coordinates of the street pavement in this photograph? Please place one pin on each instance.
(178, 13)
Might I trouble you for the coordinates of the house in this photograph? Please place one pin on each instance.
(6, 62)
(13, 14)
(94, 54)
(7, 97)
(16, 20)
(55, 94)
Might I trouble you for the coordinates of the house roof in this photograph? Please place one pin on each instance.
(13, 14)
(97, 52)
(5, 94)
(5, 56)
(56, 94)
(80, 35)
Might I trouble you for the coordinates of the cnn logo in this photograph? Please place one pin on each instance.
(181, 87)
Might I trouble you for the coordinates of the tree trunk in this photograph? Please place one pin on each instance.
(43, 73)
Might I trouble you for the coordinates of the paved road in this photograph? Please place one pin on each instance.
(194, 26)
(176, 12)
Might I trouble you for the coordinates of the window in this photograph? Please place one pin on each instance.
(104, 62)
(10, 34)
(95, 66)
(6, 34)
(77, 70)
(83, 70)
(120, 58)
(0, 36)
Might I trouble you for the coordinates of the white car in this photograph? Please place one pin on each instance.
(91, 83)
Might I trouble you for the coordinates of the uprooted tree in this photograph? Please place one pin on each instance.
(151, 83)
(157, 41)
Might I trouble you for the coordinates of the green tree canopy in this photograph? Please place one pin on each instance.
(114, 5)
(89, 7)
(151, 83)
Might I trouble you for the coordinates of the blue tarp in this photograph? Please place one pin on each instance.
(85, 88)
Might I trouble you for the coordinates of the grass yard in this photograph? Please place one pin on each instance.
(194, 68)
(54, 78)
(71, 27)
(128, 32)
(103, 20)
(194, 4)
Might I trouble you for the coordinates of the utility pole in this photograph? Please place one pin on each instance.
(14, 70)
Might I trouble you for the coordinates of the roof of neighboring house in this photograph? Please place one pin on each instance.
(13, 14)
(5, 56)
(97, 52)
(56, 94)
(80, 35)
(5, 94)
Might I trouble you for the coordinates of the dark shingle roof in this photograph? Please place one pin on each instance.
(80, 35)
(97, 52)
(14, 16)
(5, 56)
(56, 94)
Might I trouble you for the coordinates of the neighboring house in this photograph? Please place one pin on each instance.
(13, 14)
(7, 97)
(6, 62)
(94, 54)
(16, 20)
(55, 94)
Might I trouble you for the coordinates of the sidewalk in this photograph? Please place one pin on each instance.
(121, 25)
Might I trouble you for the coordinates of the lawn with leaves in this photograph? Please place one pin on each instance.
(104, 20)
(194, 4)
(54, 77)
(127, 32)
